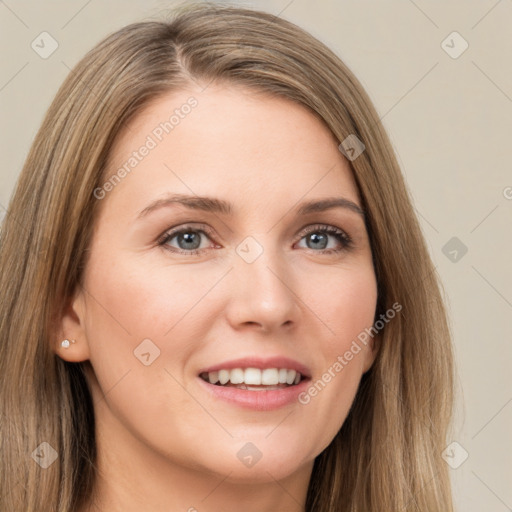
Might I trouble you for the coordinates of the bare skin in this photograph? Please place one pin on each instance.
(164, 443)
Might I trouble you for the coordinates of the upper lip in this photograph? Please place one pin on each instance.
(261, 363)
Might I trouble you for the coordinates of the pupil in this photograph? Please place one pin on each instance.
(315, 237)
(188, 238)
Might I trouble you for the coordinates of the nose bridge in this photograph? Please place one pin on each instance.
(263, 284)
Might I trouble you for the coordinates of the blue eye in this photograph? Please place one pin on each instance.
(188, 239)
(318, 238)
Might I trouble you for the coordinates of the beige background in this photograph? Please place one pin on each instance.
(450, 120)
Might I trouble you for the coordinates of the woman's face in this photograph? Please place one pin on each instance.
(209, 258)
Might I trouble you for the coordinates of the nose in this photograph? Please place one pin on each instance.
(262, 293)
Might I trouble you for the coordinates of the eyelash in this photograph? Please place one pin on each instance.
(343, 238)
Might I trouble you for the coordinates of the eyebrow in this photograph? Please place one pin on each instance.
(214, 205)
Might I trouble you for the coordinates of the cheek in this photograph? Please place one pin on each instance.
(132, 297)
(136, 316)
(347, 306)
(352, 315)
(131, 302)
(354, 311)
(345, 303)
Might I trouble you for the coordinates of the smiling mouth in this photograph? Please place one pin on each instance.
(254, 379)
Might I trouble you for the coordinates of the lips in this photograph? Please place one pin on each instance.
(256, 383)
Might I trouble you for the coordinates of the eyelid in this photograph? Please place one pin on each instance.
(311, 228)
(183, 227)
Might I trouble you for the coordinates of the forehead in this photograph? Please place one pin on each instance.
(231, 142)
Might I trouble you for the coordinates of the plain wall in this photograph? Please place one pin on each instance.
(450, 121)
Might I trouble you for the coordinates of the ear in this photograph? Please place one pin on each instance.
(372, 349)
(71, 326)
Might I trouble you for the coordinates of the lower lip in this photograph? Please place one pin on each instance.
(257, 400)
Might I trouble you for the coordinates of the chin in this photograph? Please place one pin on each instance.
(259, 461)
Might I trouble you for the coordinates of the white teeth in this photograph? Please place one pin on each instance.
(252, 376)
(270, 377)
(236, 376)
(290, 378)
(223, 376)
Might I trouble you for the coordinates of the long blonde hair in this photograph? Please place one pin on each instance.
(387, 455)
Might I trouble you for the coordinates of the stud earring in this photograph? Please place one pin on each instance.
(65, 343)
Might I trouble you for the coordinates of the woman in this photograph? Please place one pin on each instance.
(215, 291)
